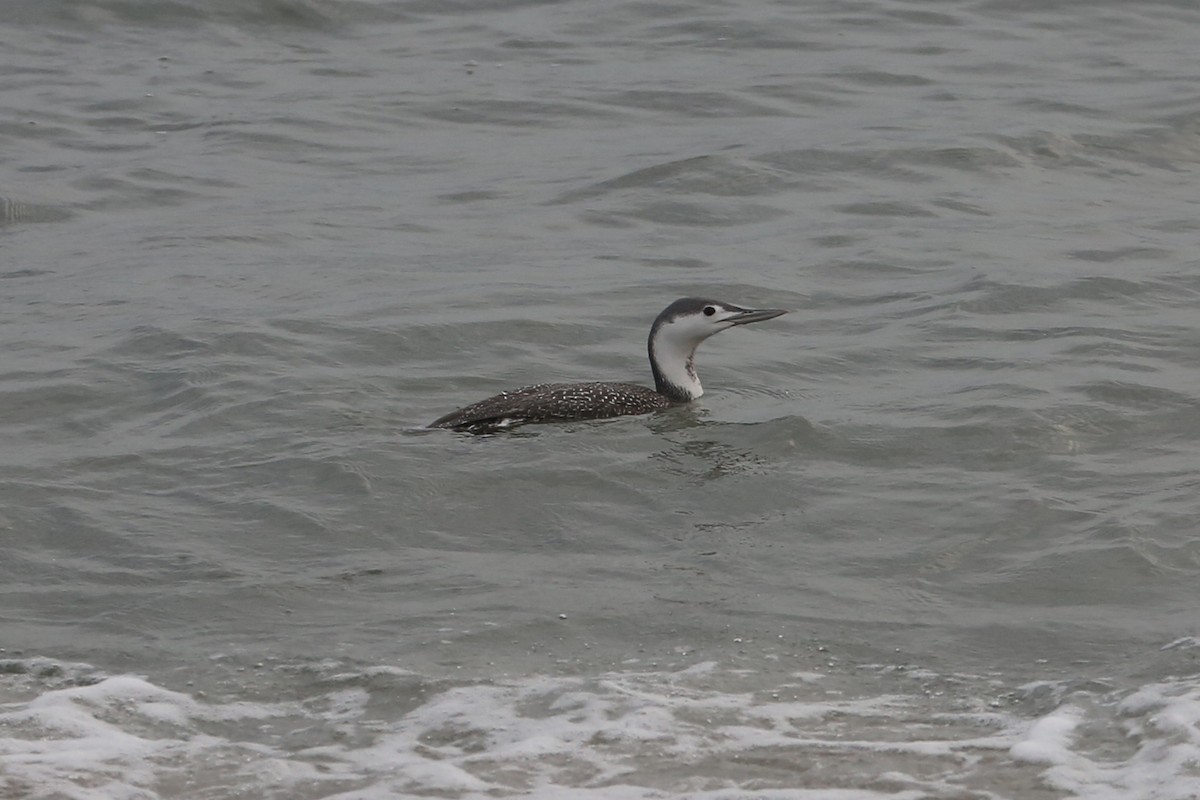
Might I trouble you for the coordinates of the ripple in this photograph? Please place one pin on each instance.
(13, 212)
(690, 105)
(708, 175)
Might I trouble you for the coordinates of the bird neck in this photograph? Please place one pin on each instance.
(674, 370)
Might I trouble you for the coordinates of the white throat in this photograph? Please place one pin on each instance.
(672, 359)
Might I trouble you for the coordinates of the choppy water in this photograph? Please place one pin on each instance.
(932, 535)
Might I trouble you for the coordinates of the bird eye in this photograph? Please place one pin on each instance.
(709, 311)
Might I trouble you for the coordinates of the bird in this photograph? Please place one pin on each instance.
(674, 336)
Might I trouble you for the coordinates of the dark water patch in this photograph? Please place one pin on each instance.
(866, 267)
(996, 298)
(120, 194)
(962, 364)
(1156, 149)
(537, 44)
(707, 452)
(689, 105)
(961, 207)
(312, 144)
(603, 219)
(894, 163)
(1135, 395)
(1058, 106)
(885, 209)
(876, 78)
(1050, 150)
(56, 401)
(924, 18)
(831, 240)
(714, 176)
(25, 273)
(320, 474)
(171, 178)
(1101, 287)
(1121, 254)
(1112, 347)
(970, 159)
(45, 127)
(694, 214)
(441, 7)
(802, 95)
(682, 263)
(814, 162)
(951, 331)
(158, 342)
(14, 212)
(736, 33)
(1080, 574)
(286, 14)
(1176, 225)
(471, 196)
(514, 113)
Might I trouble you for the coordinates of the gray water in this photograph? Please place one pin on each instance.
(249, 250)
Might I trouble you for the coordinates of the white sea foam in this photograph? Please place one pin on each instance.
(1159, 731)
(703, 733)
(1049, 739)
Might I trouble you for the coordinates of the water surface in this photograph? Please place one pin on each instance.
(930, 535)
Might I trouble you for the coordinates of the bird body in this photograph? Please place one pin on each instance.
(555, 402)
(672, 346)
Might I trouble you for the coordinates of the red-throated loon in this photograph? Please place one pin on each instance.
(673, 339)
